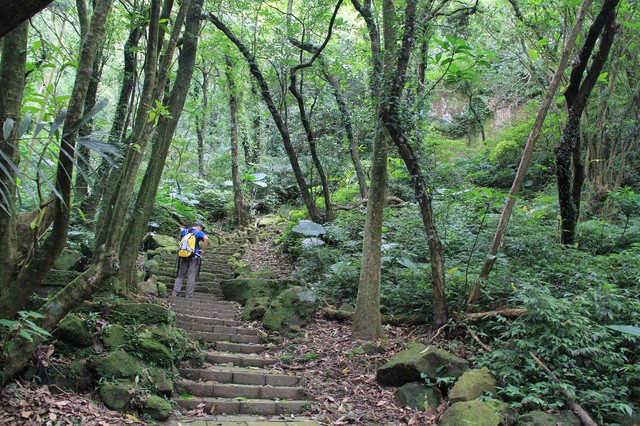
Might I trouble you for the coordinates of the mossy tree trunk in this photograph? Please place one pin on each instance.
(32, 274)
(12, 69)
(570, 166)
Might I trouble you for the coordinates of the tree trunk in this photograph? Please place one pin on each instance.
(242, 218)
(131, 239)
(367, 321)
(106, 173)
(570, 168)
(201, 122)
(33, 273)
(12, 70)
(309, 202)
(526, 156)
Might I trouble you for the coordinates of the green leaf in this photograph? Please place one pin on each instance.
(533, 55)
(24, 333)
(627, 329)
(307, 227)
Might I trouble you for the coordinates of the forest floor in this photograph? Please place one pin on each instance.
(340, 379)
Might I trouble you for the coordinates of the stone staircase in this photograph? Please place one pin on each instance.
(238, 377)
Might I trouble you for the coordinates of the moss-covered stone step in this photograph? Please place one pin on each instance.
(206, 312)
(241, 405)
(240, 376)
(202, 309)
(202, 289)
(185, 319)
(221, 329)
(241, 348)
(227, 390)
(239, 360)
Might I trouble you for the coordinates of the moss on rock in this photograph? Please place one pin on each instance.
(114, 336)
(116, 396)
(156, 407)
(472, 413)
(71, 376)
(155, 352)
(117, 364)
(159, 379)
(73, 329)
(170, 336)
(139, 313)
(293, 307)
(59, 278)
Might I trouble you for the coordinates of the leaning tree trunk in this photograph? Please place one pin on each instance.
(137, 225)
(12, 69)
(569, 165)
(242, 217)
(312, 209)
(34, 272)
(15, 12)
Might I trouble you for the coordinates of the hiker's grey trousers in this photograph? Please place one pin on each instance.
(187, 267)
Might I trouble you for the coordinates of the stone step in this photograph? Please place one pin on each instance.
(242, 406)
(251, 343)
(191, 319)
(226, 390)
(238, 360)
(241, 348)
(205, 312)
(203, 303)
(240, 376)
(199, 289)
(219, 329)
(202, 309)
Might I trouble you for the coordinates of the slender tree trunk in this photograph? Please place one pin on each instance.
(106, 173)
(12, 70)
(526, 156)
(136, 226)
(312, 209)
(32, 274)
(242, 218)
(201, 122)
(367, 321)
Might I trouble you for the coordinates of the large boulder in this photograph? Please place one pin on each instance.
(242, 289)
(293, 307)
(171, 337)
(73, 376)
(139, 313)
(540, 418)
(418, 361)
(417, 395)
(68, 260)
(114, 336)
(154, 352)
(472, 385)
(471, 413)
(116, 365)
(160, 381)
(74, 330)
(116, 396)
(156, 407)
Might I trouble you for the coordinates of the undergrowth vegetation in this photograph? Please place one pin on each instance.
(578, 298)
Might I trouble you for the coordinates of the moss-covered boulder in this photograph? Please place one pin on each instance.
(154, 352)
(152, 265)
(473, 384)
(255, 308)
(156, 407)
(71, 376)
(114, 336)
(162, 289)
(540, 418)
(117, 364)
(417, 395)
(159, 379)
(74, 330)
(171, 337)
(293, 307)
(242, 289)
(116, 396)
(472, 413)
(149, 286)
(59, 278)
(68, 260)
(418, 360)
(139, 313)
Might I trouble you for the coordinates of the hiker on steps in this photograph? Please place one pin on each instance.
(193, 242)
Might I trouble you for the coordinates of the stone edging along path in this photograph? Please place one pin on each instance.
(237, 385)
